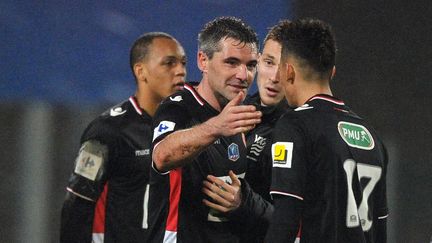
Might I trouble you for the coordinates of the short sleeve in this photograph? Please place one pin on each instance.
(170, 117)
(288, 155)
(90, 170)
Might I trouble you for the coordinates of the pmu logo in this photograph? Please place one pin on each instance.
(356, 136)
(233, 152)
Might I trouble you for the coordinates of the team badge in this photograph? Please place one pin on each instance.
(163, 127)
(282, 154)
(233, 152)
(356, 136)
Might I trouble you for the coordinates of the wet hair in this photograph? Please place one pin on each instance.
(275, 32)
(312, 43)
(140, 48)
(225, 27)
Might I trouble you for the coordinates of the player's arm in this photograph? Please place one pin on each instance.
(382, 210)
(76, 219)
(289, 172)
(284, 224)
(84, 187)
(176, 149)
(237, 199)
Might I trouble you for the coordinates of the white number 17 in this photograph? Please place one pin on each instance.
(354, 216)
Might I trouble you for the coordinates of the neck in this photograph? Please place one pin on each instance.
(147, 101)
(308, 89)
(205, 91)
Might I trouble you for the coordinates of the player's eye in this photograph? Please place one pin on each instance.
(251, 66)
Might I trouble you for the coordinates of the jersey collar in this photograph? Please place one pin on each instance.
(195, 94)
(327, 98)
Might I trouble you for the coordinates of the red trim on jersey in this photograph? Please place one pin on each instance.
(300, 229)
(99, 214)
(195, 95)
(174, 199)
(321, 97)
(135, 105)
(337, 109)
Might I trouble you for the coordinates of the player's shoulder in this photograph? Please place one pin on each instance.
(187, 98)
(108, 123)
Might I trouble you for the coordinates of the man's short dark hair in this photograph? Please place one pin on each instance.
(222, 28)
(312, 43)
(140, 48)
(275, 32)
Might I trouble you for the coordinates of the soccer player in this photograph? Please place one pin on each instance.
(107, 194)
(198, 131)
(329, 165)
(270, 100)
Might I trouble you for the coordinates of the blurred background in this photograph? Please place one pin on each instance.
(64, 62)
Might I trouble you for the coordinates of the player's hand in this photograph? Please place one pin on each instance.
(235, 118)
(225, 197)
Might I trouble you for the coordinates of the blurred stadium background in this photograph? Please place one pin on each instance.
(64, 62)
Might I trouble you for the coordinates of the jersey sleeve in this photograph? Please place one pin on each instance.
(92, 164)
(90, 173)
(381, 211)
(288, 155)
(170, 117)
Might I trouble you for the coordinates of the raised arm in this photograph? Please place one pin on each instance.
(176, 149)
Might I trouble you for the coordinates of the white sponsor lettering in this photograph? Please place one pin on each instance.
(142, 152)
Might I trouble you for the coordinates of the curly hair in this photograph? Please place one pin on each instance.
(312, 42)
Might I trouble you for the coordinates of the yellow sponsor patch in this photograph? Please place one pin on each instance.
(282, 154)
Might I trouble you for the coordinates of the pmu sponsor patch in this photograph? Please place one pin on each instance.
(90, 159)
(163, 127)
(282, 154)
(356, 135)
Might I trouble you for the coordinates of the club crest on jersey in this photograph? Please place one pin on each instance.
(163, 127)
(356, 135)
(233, 152)
(282, 154)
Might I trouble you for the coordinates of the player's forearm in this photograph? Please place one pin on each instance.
(76, 219)
(285, 220)
(178, 148)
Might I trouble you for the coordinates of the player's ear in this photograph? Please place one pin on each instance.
(290, 73)
(202, 61)
(140, 71)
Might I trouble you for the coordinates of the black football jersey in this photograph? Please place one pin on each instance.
(259, 141)
(258, 174)
(177, 213)
(112, 170)
(332, 160)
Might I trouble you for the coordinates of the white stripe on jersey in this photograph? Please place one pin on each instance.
(170, 237)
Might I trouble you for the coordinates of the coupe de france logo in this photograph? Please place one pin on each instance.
(233, 152)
